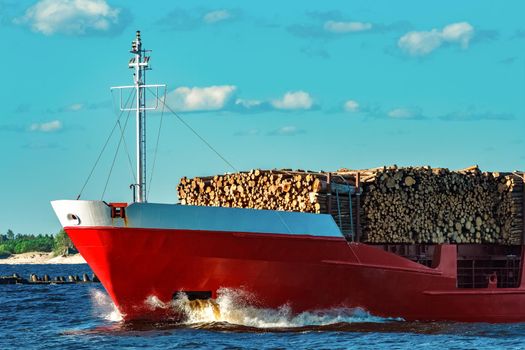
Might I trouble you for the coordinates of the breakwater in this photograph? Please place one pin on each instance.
(46, 279)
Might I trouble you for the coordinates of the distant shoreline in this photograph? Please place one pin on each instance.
(42, 258)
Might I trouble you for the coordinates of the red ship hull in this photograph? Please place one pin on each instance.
(305, 272)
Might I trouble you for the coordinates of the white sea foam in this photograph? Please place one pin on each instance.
(153, 303)
(103, 306)
(237, 307)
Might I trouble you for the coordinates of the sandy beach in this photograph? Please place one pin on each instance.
(42, 258)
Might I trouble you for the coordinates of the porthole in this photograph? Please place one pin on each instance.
(73, 219)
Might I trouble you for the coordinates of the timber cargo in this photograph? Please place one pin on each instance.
(395, 204)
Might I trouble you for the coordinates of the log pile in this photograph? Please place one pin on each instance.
(397, 205)
(425, 205)
(257, 189)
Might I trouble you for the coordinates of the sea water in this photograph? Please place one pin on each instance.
(81, 316)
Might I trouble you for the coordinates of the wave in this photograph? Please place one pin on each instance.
(237, 307)
(103, 306)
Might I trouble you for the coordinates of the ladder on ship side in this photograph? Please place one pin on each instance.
(344, 215)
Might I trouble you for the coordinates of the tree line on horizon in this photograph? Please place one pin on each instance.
(11, 243)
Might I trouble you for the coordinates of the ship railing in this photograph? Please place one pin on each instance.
(475, 273)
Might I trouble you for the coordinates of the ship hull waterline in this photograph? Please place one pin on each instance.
(303, 272)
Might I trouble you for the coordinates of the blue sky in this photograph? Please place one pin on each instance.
(309, 85)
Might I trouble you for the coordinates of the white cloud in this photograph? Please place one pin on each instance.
(224, 97)
(69, 16)
(474, 115)
(248, 103)
(217, 16)
(289, 130)
(351, 106)
(51, 126)
(294, 100)
(460, 33)
(424, 42)
(75, 107)
(346, 27)
(250, 132)
(420, 43)
(208, 98)
(405, 113)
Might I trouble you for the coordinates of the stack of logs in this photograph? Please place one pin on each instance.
(397, 205)
(425, 205)
(274, 189)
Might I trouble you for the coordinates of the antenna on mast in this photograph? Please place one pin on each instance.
(140, 64)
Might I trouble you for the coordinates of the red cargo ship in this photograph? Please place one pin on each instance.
(301, 260)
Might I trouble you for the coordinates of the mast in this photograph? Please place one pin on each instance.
(140, 64)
